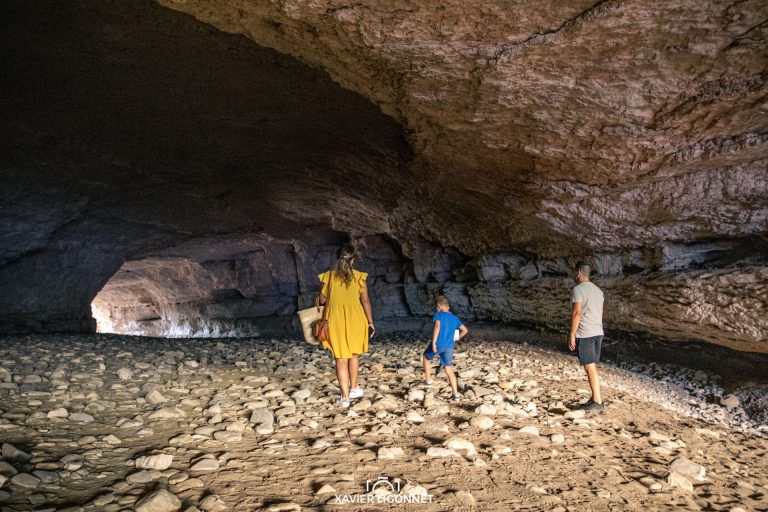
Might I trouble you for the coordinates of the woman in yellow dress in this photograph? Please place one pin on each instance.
(350, 321)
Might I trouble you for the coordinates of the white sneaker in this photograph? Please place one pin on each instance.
(356, 392)
(344, 403)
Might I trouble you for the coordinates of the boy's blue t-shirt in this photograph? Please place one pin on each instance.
(448, 325)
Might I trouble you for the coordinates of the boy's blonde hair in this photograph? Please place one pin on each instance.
(442, 300)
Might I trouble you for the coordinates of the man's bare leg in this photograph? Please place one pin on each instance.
(594, 382)
(354, 367)
(342, 373)
(452, 379)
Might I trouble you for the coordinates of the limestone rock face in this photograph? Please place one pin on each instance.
(564, 127)
(185, 175)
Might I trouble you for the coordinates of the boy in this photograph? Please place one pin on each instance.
(446, 324)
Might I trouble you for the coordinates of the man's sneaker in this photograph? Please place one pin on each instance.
(356, 392)
(593, 407)
(344, 403)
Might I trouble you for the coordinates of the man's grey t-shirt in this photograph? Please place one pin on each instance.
(591, 298)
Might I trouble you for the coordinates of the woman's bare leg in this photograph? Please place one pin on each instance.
(342, 373)
(354, 367)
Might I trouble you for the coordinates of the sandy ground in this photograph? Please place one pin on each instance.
(253, 425)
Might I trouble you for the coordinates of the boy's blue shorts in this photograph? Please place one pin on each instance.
(446, 355)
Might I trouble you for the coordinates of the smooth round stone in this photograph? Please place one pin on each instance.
(414, 417)
(25, 480)
(228, 437)
(205, 465)
(436, 452)
(390, 453)
(460, 445)
(159, 462)
(143, 477)
(60, 412)
(159, 501)
(178, 478)
(301, 394)
(81, 417)
(529, 429)
(486, 410)
(326, 489)
(262, 417)
(481, 422)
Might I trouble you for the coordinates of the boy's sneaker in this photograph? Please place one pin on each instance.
(425, 383)
(455, 398)
(593, 407)
(356, 392)
(586, 404)
(344, 403)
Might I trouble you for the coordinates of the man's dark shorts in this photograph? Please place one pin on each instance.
(589, 349)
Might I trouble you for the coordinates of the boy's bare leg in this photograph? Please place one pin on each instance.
(452, 379)
(354, 367)
(342, 373)
(594, 382)
(427, 369)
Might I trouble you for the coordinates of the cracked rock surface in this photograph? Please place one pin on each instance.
(187, 167)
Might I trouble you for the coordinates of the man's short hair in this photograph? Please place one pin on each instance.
(583, 268)
(442, 300)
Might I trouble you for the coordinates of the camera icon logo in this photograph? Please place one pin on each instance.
(383, 484)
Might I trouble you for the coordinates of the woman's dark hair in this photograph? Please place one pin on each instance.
(343, 266)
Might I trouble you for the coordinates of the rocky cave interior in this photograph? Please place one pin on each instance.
(186, 168)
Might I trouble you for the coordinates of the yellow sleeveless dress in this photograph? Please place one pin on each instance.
(347, 323)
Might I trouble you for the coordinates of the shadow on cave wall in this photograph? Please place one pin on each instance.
(132, 129)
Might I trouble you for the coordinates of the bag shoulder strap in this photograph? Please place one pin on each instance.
(330, 281)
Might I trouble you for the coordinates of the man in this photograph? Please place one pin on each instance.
(587, 331)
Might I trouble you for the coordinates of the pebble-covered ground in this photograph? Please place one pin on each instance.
(113, 423)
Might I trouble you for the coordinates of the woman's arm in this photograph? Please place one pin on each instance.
(366, 302)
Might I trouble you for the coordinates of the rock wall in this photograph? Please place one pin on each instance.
(194, 173)
(676, 292)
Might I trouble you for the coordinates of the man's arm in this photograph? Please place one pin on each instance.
(575, 319)
(435, 333)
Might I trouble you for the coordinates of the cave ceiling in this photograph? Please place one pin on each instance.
(568, 127)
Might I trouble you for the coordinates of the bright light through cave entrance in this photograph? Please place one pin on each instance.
(101, 314)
